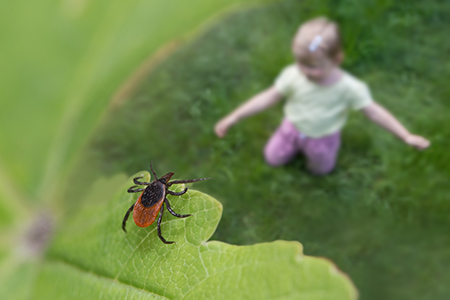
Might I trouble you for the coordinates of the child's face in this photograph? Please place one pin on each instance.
(316, 67)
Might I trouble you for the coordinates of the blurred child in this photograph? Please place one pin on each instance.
(318, 96)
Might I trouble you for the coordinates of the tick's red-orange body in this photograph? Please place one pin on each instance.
(151, 201)
(145, 216)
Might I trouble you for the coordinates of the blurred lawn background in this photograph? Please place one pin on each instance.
(382, 216)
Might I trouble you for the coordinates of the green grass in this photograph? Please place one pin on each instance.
(382, 216)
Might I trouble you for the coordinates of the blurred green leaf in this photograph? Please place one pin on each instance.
(17, 276)
(92, 258)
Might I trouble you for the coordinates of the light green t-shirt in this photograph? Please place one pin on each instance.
(318, 110)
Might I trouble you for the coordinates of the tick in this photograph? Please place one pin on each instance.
(152, 199)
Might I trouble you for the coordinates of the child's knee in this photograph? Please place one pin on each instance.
(321, 162)
(271, 157)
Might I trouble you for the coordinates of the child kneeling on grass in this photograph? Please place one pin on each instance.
(318, 96)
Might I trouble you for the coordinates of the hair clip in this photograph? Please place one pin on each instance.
(315, 43)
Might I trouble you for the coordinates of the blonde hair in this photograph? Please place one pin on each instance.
(318, 35)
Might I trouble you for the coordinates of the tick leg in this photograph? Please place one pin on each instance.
(126, 217)
(159, 226)
(172, 212)
(185, 181)
(136, 181)
(153, 171)
(133, 190)
(178, 193)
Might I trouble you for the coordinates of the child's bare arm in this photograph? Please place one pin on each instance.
(385, 119)
(254, 105)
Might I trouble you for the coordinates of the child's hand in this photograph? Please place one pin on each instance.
(417, 141)
(257, 103)
(223, 125)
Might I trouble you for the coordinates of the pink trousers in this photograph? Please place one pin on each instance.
(287, 141)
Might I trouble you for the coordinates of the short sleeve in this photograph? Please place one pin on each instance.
(360, 96)
(284, 80)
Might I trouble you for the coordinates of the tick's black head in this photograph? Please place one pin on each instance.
(165, 179)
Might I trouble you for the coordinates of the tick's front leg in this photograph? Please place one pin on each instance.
(133, 190)
(186, 181)
(136, 181)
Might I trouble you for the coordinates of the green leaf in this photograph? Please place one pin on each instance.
(61, 63)
(92, 257)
